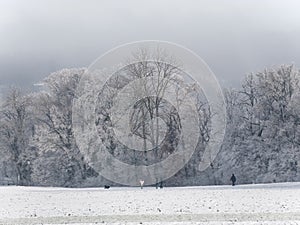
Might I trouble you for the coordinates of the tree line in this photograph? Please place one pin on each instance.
(262, 141)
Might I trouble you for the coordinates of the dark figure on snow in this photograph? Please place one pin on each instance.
(160, 185)
(233, 179)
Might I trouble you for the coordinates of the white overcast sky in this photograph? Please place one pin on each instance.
(234, 37)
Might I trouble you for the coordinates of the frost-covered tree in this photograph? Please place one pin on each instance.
(276, 88)
(154, 122)
(147, 118)
(266, 147)
(55, 138)
(16, 129)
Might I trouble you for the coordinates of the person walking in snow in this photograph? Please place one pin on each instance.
(233, 179)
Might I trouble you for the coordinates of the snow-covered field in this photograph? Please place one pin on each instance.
(245, 204)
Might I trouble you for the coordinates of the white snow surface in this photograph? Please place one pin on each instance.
(274, 204)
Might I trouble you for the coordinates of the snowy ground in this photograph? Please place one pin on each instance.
(274, 204)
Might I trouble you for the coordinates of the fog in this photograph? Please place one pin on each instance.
(233, 37)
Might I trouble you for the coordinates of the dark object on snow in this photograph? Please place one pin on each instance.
(233, 179)
(161, 184)
(106, 186)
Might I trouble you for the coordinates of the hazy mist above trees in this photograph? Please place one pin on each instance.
(233, 37)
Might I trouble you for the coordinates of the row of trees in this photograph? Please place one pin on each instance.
(263, 131)
(262, 143)
(36, 137)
